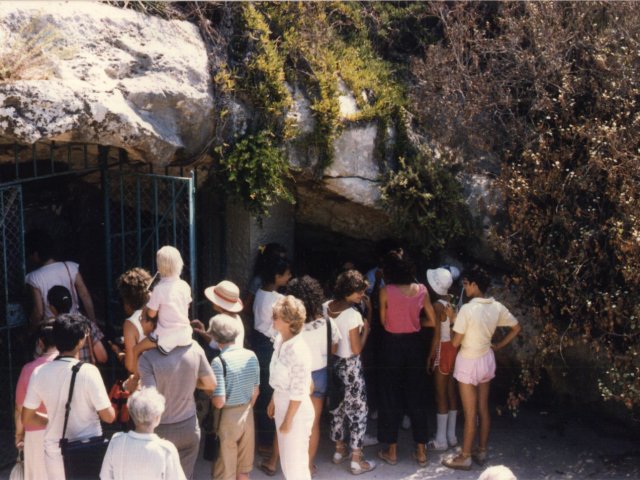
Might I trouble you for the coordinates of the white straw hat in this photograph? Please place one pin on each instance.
(226, 295)
(440, 280)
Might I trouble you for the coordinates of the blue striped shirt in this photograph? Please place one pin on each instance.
(243, 374)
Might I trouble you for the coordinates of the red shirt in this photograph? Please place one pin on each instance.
(23, 383)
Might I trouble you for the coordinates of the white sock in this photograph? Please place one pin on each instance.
(451, 426)
(441, 434)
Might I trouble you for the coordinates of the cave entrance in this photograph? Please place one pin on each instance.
(106, 213)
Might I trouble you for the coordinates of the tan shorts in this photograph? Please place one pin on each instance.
(237, 442)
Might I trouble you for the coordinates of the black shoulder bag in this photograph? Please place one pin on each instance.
(82, 458)
(335, 389)
(211, 439)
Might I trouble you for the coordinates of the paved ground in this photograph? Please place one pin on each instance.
(536, 445)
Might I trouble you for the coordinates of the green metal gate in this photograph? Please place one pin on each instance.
(142, 213)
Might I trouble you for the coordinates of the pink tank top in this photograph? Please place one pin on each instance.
(403, 313)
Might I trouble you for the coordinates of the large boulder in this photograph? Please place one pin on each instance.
(108, 75)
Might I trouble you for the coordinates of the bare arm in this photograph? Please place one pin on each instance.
(383, 306)
(207, 383)
(100, 352)
(357, 338)
(17, 415)
(85, 297)
(107, 415)
(37, 312)
(292, 409)
(218, 401)
(428, 310)
(131, 338)
(513, 333)
(33, 418)
(440, 316)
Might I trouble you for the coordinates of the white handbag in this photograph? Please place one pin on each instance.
(17, 472)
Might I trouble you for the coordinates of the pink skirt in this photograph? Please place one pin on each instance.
(474, 371)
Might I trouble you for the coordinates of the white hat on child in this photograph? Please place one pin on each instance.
(440, 280)
(226, 295)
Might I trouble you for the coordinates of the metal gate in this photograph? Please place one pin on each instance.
(142, 213)
(12, 316)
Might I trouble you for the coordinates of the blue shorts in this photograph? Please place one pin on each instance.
(319, 378)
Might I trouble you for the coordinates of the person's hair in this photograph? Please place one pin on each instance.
(223, 329)
(291, 311)
(433, 296)
(309, 291)
(497, 472)
(349, 282)
(59, 297)
(265, 253)
(133, 287)
(478, 276)
(39, 241)
(146, 406)
(45, 334)
(274, 266)
(385, 246)
(68, 330)
(169, 261)
(398, 269)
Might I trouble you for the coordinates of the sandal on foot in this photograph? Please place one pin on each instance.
(422, 461)
(436, 446)
(362, 466)
(459, 462)
(382, 455)
(479, 456)
(340, 455)
(270, 472)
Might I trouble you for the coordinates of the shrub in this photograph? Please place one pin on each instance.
(551, 88)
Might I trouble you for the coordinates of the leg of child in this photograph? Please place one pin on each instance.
(483, 411)
(469, 396)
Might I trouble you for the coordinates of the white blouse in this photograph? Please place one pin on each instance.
(290, 368)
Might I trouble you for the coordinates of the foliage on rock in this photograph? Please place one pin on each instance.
(255, 171)
(552, 89)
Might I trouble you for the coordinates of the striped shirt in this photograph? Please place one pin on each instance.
(243, 374)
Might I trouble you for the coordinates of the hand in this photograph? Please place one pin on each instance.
(285, 426)
(20, 441)
(131, 384)
(271, 409)
(198, 326)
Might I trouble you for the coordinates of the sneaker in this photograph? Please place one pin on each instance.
(369, 440)
(458, 462)
(406, 422)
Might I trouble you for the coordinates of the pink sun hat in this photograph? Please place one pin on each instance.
(226, 295)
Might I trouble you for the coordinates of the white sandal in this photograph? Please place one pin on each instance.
(361, 466)
(340, 455)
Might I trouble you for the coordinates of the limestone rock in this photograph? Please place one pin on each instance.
(109, 76)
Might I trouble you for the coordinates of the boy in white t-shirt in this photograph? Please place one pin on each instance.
(475, 364)
(50, 384)
(169, 302)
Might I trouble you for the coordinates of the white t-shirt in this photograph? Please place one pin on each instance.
(143, 456)
(239, 341)
(445, 327)
(51, 275)
(346, 321)
(477, 321)
(135, 320)
(315, 336)
(49, 384)
(171, 298)
(263, 311)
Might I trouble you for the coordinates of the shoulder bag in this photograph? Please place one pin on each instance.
(335, 389)
(82, 458)
(211, 439)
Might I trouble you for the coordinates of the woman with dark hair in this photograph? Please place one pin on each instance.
(350, 417)
(276, 274)
(403, 356)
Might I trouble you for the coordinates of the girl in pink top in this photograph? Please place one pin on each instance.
(403, 355)
(31, 439)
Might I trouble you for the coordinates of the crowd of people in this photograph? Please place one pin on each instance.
(259, 374)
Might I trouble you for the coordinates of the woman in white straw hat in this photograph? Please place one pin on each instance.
(439, 281)
(225, 298)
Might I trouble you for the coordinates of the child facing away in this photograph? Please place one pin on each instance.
(475, 364)
(169, 301)
(439, 281)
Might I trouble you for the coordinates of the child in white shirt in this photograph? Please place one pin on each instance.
(169, 302)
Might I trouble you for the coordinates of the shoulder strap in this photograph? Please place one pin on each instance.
(67, 407)
(226, 394)
(72, 286)
(329, 355)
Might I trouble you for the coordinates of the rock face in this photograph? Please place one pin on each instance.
(109, 76)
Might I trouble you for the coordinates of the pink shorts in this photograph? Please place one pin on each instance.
(474, 371)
